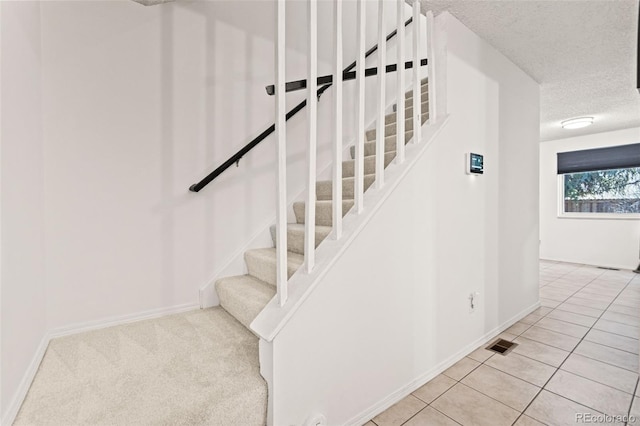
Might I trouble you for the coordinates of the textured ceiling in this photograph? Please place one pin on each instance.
(582, 52)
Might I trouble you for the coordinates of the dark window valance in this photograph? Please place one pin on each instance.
(589, 160)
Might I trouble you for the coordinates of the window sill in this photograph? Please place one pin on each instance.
(606, 216)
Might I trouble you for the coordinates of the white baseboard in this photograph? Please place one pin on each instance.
(405, 390)
(122, 319)
(603, 265)
(20, 394)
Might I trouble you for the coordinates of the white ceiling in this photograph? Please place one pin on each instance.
(582, 52)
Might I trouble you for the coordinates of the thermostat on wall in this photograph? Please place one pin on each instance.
(475, 164)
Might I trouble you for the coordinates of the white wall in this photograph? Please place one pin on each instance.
(592, 241)
(22, 278)
(393, 310)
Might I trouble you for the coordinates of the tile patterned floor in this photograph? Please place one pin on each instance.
(577, 355)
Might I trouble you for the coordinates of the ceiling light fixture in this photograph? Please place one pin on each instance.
(577, 123)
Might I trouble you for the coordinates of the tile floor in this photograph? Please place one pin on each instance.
(577, 355)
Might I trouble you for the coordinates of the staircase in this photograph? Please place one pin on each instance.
(244, 296)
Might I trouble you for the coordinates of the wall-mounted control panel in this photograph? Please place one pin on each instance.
(475, 164)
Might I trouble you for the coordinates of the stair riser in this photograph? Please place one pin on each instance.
(265, 269)
(243, 300)
(408, 112)
(348, 167)
(370, 147)
(424, 88)
(324, 188)
(324, 215)
(407, 135)
(295, 239)
(408, 103)
(391, 118)
(391, 129)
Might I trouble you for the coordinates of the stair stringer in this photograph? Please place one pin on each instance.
(273, 318)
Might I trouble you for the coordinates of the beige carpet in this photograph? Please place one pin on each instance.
(196, 368)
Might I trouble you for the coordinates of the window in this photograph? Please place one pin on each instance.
(601, 181)
(602, 191)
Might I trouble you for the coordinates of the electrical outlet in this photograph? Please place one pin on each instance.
(474, 299)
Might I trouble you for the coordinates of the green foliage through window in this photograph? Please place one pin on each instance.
(603, 191)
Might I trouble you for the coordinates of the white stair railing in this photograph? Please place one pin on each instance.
(400, 97)
(337, 122)
(358, 195)
(417, 89)
(431, 67)
(382, 77)
(312, 110)
(312, 117)
(281, 155)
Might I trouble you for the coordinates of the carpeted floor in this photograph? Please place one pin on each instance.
(195, 368)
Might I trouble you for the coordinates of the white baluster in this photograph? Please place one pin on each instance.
(312, 111)
(431, 67)
(281, 156)
(337, 134)
(400, 75)
(382, 75)
(360, 132)
(417, 90)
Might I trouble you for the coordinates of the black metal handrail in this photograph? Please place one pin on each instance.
(235, 159)
(292, 86)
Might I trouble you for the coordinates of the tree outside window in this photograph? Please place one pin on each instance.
(603, 191)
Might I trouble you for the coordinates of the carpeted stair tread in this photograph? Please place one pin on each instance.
(295, 236)
(408, 111)
(391, 118)
(391, 128)
(261, 263)
(324, 188)
(408, 134)
(424, 88)
(370, 147)
(408, 103)
(244, 296)
(349, 166)
(324, 213)
(424, 95)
